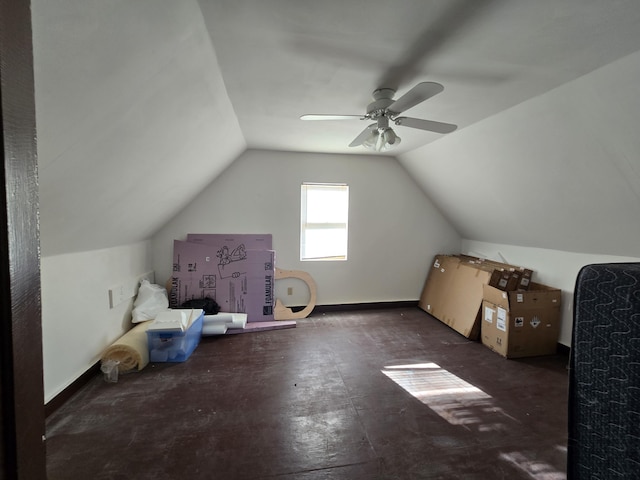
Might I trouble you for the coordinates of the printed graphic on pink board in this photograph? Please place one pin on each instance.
(250, 241)
(239, 279)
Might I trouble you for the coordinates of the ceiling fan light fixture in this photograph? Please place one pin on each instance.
(371, 141)
(381, 140)
(390, 137)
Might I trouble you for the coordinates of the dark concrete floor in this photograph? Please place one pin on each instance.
(372, 394)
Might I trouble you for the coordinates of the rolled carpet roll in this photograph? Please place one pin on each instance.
(131, 350)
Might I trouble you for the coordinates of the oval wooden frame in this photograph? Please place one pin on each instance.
(281, 312)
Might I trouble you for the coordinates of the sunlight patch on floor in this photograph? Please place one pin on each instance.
(464, 404)
(536, 469)
(452, 398)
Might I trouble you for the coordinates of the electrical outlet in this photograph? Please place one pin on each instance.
(127, 290)
(116, 296)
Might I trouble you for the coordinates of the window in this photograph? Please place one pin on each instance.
(323, 221)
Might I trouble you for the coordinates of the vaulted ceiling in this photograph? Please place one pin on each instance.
(545, 96)
(283, 58)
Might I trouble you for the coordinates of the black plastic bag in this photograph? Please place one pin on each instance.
(209, 305)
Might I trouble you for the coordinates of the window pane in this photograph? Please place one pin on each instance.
(324, 222)
(327, 205)
(323, 243)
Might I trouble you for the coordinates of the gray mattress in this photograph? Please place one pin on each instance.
(604, 377)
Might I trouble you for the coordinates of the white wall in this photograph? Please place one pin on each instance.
(554, 268)
(77, 323)
(394, 230)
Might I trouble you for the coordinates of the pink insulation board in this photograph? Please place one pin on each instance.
(238, 279)
(250, 241)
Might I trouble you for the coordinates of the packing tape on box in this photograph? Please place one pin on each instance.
(131, 350)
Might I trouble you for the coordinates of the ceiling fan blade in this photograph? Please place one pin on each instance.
(417, 94)
(363, 135)
(444, 27)
(331, 117)
(430, 125)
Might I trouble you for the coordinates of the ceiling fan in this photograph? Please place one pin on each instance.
(379, 136)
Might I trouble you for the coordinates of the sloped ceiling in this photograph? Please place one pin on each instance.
(132, 116)
(131, 96)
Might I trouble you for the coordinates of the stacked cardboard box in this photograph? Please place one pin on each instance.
(453, 291)
(504, 276)
(237, 271)
(521, 323)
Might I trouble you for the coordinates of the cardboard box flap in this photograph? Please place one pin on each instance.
(538, 296)
(442, 262)
(437, 283)
(495, 296)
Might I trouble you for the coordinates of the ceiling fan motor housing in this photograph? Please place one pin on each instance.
(383, 123)
(383, 97)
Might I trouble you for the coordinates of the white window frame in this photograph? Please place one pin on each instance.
(338, 222)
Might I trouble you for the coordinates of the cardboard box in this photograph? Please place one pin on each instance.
(463, 301)
(453, 291)
(238, 279)
(437, 284)
(525, 279)
(505, 280)
(508, 277)
(521, 323)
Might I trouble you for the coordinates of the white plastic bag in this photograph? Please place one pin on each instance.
(151, 300)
